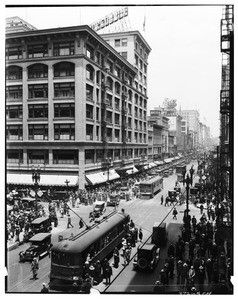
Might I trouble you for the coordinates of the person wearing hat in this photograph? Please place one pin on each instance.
(185, 273)
(209, 269)
(201, 277)
(179, 271)
(191, 275)
(44, 288)
(34, 267)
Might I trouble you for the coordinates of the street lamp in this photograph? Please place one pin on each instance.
(108, 165)
(67, 186)
(36, 179)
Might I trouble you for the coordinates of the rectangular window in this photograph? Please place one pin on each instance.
(14, 92)
(38, 156)
(35, 51)
(99, 155)
(124, 42)
(38, 91)
(14, 132)
(14, 112)
(38, 71)
(38, 111)
(89, 51)
(64, 131)
(63, 90)
(124, 55)
(117, 154)
(15, 156)
(14, 53)
(117, 43)
(65, 157)
(64, 48)
(117, 119)
(38, 132)
(65, 110)
(89, 132)
(89, 156)
(117, 135)
(89, 92)
(89, 111)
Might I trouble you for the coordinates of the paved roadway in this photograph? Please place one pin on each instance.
(143, 212)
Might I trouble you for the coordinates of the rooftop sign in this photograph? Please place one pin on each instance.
(110, 19)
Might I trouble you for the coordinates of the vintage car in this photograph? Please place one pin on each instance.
(40, 246)
(99, 207)
(159, 234)
(124, 193)
(147, 257)
(114, 200)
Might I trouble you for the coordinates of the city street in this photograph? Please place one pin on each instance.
(143, 212)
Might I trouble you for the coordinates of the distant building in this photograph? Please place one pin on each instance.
(16, 24)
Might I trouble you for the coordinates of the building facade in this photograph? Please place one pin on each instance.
(72, 107)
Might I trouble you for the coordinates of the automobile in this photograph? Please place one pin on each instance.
(114, 200)
(99, 208)
(42, 224)
(40, 246)
(172, 194)
(159, 234)
(180, 177)
(124, 193)
(147, 257)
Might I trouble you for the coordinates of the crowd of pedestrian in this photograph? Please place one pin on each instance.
(201, 258)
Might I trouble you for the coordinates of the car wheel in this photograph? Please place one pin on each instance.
(142, 263)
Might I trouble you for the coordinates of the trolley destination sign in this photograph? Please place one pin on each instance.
(110, 19)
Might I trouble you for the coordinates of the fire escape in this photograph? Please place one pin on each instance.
(124, 124)
(227, 102)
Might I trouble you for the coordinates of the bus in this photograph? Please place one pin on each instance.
(150, 187)
(69, 255)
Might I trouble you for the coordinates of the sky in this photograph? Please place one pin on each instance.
(185, 60)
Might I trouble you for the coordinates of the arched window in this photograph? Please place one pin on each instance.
(90, 72)
(64, 69)
(117, 88)
(109, 83)
(13, 73)
(38, 71)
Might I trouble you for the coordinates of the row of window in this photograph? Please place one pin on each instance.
(67, 110)
(67, 90)
(69, 156)
(61, 69)
(67, 132)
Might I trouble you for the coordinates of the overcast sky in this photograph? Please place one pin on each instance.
(185, 61)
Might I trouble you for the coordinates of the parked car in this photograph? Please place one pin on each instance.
(124, 193)
(42, 224)
(99, 208)
(114, 200)
(40, 246)
(147, 257)
(159, 234)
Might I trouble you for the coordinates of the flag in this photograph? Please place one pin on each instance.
(144, 24)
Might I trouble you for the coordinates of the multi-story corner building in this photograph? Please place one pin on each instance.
(72, 107)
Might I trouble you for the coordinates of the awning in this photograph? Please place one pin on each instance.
(134, 170)
(112, 175)
(45, 179)
(96, 178)
(159, 162)
(125, 168)
(168, 160)
(152, 165)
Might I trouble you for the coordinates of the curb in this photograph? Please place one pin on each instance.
(13, 246)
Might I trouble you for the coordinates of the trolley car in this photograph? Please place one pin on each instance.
(69, 255)
(150, 187)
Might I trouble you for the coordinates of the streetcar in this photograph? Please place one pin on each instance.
(68, 256)
(150, 187)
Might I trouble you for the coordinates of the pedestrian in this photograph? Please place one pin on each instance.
(44, 289)
(162, 200)
(140, 235)
(34, 268)
(127, 256)
(201, 209)
(108, 273)
(167, 200)
(179, 271)
(116, 257)
(175, 212)
(69, 221)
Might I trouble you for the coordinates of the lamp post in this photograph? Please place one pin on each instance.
(67, 186)
(36, 179)
(108, 164)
